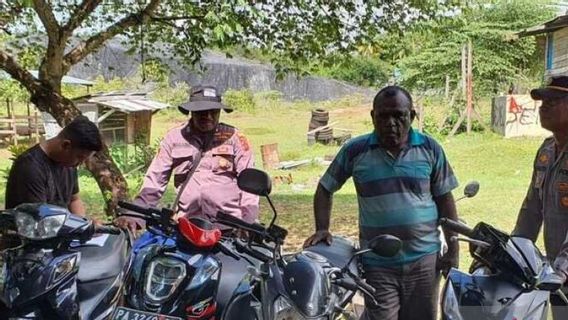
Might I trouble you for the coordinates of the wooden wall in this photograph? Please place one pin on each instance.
(560, 53)
(139, 125)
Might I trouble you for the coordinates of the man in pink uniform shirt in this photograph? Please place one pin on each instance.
(225, 152)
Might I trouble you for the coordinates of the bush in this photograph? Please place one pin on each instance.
(17, 150)
(240, 100)
(272, 96)
(137, 156)
(360, 70)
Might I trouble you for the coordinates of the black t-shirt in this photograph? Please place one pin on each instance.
(36, 178)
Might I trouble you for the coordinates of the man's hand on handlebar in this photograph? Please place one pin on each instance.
(131, 223)
(319, 236)
(241, 234)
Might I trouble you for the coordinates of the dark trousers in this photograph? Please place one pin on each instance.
(559, 307)
(404, 292)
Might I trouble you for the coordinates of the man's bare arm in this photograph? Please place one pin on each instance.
(77, 206)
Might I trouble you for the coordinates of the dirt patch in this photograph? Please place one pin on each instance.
(363, 109)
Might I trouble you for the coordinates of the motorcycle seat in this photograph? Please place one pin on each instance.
(338, 253)
(102, 262)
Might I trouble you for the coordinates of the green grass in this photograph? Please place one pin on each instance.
(502, 166)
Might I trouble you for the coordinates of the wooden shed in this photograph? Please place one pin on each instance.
(553, 37)
(14, 126)
(122, 117)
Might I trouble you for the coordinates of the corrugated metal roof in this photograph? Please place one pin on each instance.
(132, 105)
(549, 26)
(123, 101)
(68, 79)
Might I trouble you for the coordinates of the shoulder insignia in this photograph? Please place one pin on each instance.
(244, 141)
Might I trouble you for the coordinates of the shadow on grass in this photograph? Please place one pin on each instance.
(295, 213)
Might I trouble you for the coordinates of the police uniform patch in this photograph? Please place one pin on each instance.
(222, 149)
(223, 135)
(244, 141)
(223, 163)
(543, 158)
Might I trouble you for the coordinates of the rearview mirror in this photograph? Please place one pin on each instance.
(385, 245)
(254, 181)
(471, 189)
(550, 282)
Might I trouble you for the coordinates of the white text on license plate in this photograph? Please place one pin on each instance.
(122, 313)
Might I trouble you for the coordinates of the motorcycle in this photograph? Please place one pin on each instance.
(316, 283)
(509, 279)
(182, 269)
(64, 266)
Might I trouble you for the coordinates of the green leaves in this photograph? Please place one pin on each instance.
(432, 50)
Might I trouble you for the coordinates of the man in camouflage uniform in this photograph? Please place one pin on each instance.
(225, 152)
(546, 202)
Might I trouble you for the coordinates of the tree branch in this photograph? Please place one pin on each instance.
(41, 94)
(8, 12)
(173, 18)
(84, 48)
(171, 24)
(79, 15)
(45, 13)
(8, 64)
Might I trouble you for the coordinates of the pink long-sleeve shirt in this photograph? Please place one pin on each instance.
(213, 186)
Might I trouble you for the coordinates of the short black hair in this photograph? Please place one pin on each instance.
(389, 92)
(83, 134)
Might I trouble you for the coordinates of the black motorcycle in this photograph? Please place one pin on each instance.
(181, 270)
(509, 279)
(317, 283)
(62, 267)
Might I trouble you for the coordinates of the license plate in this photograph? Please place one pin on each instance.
(122, 313)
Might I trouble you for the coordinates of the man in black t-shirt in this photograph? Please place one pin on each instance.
(47, 172)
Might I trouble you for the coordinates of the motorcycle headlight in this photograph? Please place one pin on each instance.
(284, 310)
(45, 228)
(163, 277)
(451, 304)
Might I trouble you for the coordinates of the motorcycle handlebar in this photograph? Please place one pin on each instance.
(135, 208)
(234, 222)
(365, 286)
(227, 251)
(347, 284)
(107, 229)
(251, 252)
(457, 227)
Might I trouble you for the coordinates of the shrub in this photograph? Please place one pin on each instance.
(240, 100)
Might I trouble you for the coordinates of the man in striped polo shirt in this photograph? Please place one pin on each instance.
(404, 183)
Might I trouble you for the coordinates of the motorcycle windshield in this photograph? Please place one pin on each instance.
(526, 255)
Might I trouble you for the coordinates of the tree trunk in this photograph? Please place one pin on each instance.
(46, 93)
(108, 176)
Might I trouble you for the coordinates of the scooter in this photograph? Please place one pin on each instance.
(316, 283)
(182, 269)
(63, 267)
(510, 279)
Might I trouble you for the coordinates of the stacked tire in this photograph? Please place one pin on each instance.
(320, 118)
